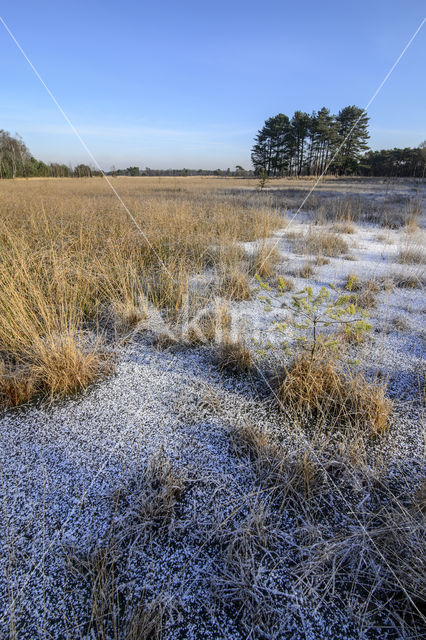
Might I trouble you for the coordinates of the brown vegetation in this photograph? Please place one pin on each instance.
(73, 266)
(321, 388)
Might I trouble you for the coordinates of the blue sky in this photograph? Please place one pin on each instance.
(188, 83)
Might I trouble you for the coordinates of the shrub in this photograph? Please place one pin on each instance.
(325, 310)
(365, 291)
(284, 284)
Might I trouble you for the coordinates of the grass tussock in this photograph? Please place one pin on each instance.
(343, 226)
(264, 262)
(54, 367)
(408, 280)
(235, 285)
(320, 388)
(364, 291)
(412, 255)
(306, 271)
(320, 261)
(234, 356)
(323, 243)
(210, 325)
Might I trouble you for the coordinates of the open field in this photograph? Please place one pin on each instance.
(211, 409)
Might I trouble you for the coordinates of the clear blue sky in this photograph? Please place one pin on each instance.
(173, 84)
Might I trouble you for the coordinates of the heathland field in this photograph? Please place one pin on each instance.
(211, 395)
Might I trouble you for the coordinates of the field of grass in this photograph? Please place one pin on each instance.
(249, 463)
(75, 268)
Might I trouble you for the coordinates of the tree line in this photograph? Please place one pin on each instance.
(16, 161)
(303, 145)
(399, 163)
(325, 143)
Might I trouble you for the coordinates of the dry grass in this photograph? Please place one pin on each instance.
(234, 356)
(322, 243)
(320, 261)
(372, 565)
(235, 285)
(408, 280)
(74, 267)
(306, 271)
(210, 325)
(344, 226)
(264, 261)
(56, 366)
(394, 212)
(321, 388)
(147, 506)
(364, 290)
(400, 323)
(412, 255)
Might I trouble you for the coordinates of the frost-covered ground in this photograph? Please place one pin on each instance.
(62, 465)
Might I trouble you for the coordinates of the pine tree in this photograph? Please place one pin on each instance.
(352, 136)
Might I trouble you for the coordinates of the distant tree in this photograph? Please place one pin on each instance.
(352, 136)
(240, 172)
(299, 130)
(133, 171)
(306, 143)
(323, 134)
(271, 148)
(395, 163)
(82, 171)
(422, 147)
(59, 170)
(263, 179)
(15, 158)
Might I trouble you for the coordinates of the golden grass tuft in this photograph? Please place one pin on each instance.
(16, 387)
(412, 255)
(63, 365)
(235, 285)
(210, 325)
(319, 387)
(316, 242)
(56, 366)
(264, 261)
(234, 356)
(343, 226)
